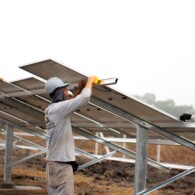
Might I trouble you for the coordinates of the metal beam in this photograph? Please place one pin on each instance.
(84, 153)
(32, 92)
(25, 108)
(27, 158)
(132, 140)
(32, 131)
(23, 93)
(116, 147)
(29, 143)
(96, 160)
(143, 123)
(168, 181)
(173, 126)
(45, 150)
(25, 141)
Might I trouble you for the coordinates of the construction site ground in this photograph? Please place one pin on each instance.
(106, 177)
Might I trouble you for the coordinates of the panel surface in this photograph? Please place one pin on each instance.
(91, 117)
(46, 69)
(49, 68)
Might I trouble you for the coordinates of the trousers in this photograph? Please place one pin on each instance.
(60, 180)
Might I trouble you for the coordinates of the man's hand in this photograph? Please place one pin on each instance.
(81, 85)
(90, 81)
(185, 117)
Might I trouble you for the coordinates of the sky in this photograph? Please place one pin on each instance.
(148, 45)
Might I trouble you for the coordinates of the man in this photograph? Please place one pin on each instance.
(61, 148)
(186, 116)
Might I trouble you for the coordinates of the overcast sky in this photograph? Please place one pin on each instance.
(148, 45)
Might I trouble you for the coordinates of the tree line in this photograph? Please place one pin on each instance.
(168, 105)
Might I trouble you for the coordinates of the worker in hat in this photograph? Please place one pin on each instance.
(187, 117)
(61, 148)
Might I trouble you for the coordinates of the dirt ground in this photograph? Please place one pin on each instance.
(106, 177)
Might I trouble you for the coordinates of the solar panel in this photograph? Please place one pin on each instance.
(93, 117)
(49, 68)
(22, 103)
(8, 88)
(29, 84)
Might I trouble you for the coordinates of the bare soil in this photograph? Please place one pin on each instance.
(106, 177)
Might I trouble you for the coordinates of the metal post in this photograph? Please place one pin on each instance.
(141, 160)
(158, 153)
(96, 146)
(106, 148)
(124, 145)
(8, 153)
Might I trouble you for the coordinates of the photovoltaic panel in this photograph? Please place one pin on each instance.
(49, 68)
(18, 108)
(29, 84)
(21, 123)
(46, 69)
(132, 105)
(23, 115)
(8, 88)
(99, 116)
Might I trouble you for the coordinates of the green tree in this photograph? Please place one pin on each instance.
(149, 98)
(167, 105)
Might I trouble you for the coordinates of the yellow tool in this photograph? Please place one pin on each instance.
(109, 81)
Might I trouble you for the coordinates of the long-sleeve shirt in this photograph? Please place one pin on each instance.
(61, 145)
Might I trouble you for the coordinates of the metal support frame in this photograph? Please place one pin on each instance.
(31, 131)
(29, 143)
(8, 153)
(106, 148)
(9, 164)
(124, 143)
(9, 147)
(141, 160)
(96, 160)
(133, 140)
(84, 153)
(25, 141)
(23, 93)
(140, 177)
(141, 122)
(158, 148)
(96, 146)
(36, 92)
(168, 181)
(24, 107)
(116, 147)
(141, 155)
(27, 158)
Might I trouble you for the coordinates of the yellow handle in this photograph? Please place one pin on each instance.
(96, 81)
